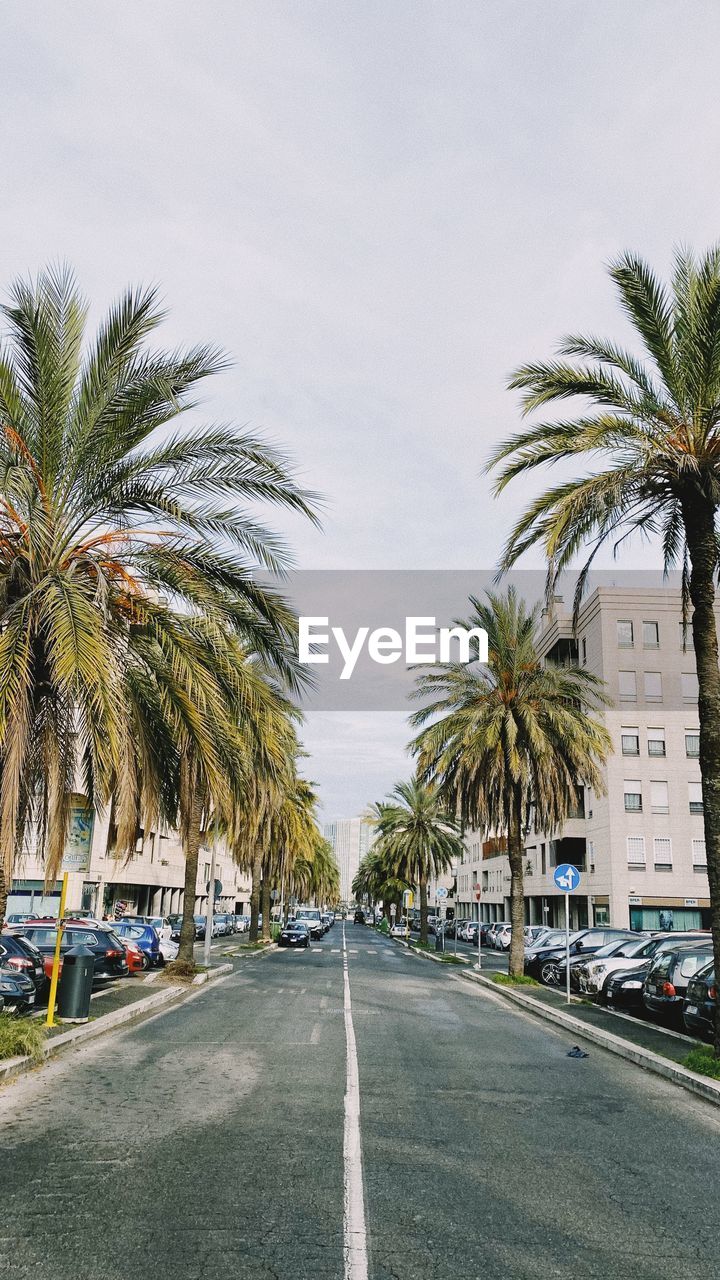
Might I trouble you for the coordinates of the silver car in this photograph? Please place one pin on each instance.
(593, 974)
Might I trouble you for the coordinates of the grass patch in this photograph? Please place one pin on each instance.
(422, 946)
(252, 946)
(703, 1061)
(451, 960)
(21, 1036)
(505, 980)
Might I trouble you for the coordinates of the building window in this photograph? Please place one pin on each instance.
(627, 685)
(656, 742)
(591, 854)
(636, 850)
(659, 802)
(662, 851)
(625, 633)
(630, 739)
(692, 744)
(653, 686)
(695, 797)
(633, 797)
(689, 682)
(583, 645)
(699, 856)
(651, 635)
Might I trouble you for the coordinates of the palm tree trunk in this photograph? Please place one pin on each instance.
(4, 892)
(702, 549)
(423, 910)
(516, 963)
(191, 851)
(266, 907)
(255, 899)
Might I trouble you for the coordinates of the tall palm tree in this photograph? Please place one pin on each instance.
(417, 839)
(648, 430)
(510, 737)
(376, 878)
(110, 519)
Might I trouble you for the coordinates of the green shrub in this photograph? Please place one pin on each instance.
(505, 980)
(20, 1037)
(703, 1061)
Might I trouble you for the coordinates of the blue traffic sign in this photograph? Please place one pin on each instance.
(441, 893)
(566, 877)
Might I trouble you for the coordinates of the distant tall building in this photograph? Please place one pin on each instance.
(351, 838)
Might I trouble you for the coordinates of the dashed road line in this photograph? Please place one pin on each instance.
(354, 1230)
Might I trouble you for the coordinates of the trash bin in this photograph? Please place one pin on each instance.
(78, 970)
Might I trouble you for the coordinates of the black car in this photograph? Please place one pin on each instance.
(21, 956)
(295, 934)
(667, 979)
(359, 917)
(176, 925)
(109, 952)
(699, 1007)
(623, 988)
(16, 991)
(548, 963)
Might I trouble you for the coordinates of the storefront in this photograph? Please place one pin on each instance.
(671, 914)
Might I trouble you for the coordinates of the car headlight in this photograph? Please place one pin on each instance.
(8, 987)
(634, 985)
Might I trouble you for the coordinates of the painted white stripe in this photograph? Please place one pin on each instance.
(354, 1232)
(335, 951)
(371, 951)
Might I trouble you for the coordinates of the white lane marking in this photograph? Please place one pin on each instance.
(335, 951)
(352, 952)
(371, 951)
(315, 1034)
(354, 1232)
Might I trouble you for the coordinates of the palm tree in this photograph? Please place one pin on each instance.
(377, 879)
(510, 737)
(417, 839)
(649, 430)
(111, 520)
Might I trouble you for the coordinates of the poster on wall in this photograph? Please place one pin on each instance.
(79, 838)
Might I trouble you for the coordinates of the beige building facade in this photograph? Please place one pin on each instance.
(150, 882)
(639, 847)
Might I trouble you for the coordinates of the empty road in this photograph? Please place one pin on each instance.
(349, 1113)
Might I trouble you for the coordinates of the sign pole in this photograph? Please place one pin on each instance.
(210, 910)
(50, 1020)
(567, 946)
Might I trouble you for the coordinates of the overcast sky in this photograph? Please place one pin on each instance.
(378, 208)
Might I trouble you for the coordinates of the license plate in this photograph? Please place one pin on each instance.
(31, 998)
(692, 1008)
(609, 995)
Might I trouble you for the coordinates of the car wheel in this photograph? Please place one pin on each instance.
(549, 973)
(145, 961)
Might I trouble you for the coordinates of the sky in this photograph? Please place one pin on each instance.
(378, 209)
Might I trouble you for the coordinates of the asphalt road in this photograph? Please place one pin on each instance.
(209, 1142)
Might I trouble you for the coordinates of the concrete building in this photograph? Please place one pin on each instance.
(640, 847)
(351, 838)
(149, 882)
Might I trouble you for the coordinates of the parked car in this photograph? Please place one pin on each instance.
(161, 923)
(667, 979)
(471, 933)
(623, 987)
(19, 917)
(136, 959)
(17, 992)
(296, 934)
(547, 961)
(328, 920)
(21, 956)
(312, 918)
(146, 938)
(397, 930)
(700, 1001)
(588, 974)
(359, 916)
(503, 936)
(110, 960)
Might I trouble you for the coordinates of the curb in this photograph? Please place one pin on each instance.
(109, 1022)
(644, 1058)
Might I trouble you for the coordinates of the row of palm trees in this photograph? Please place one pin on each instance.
(646, 426)
(500, 745)
(143, 663)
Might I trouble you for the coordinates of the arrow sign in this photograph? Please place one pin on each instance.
(566, 877)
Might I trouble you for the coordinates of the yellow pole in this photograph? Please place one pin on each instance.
(50, 1020)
